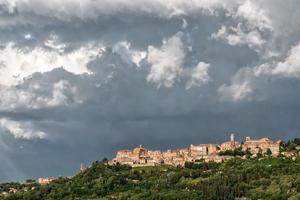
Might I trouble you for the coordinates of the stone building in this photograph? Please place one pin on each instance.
(178, 161)
(208, 152)
(155, 157)
(138, 155)
(216, 158)
(125, 156)
(200, 150)
(46, 180)
(169, 156)
(261, 145)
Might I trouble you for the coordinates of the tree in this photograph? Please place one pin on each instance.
(268, 152)
(297, 141)
(235, 152)
(29, 181)
(248, 153)
(259, 154)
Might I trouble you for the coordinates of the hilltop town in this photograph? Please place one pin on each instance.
(141, 156)
(248, 161)
(248, 148)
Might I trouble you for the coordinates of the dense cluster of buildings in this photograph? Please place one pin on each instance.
(208, 152)
(141, 156)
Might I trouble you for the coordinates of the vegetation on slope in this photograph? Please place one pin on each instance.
(264, 178)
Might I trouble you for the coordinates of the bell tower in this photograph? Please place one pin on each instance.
(232, 137)
(232, 140)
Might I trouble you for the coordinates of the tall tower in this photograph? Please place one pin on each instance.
(232, 137)
(232, 141)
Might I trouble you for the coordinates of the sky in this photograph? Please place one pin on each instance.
(80, 79)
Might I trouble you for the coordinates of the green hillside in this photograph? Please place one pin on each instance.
(267, 178)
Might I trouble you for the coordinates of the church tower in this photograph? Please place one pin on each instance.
(232, 140)
(232, 137)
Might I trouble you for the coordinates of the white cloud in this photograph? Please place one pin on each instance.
(63, 94)
(138, 56)
(166, 62)
(21, 130)
(167, 65)
(127, 54)
(253, 26)
(184, 24)
(17, 63)
(290, 67)
(255, 15)
(91, 9)
(39, 96)
(236, 91)
(198, 75)
(241, 86)
(237, 37)
(252, 11)
(54, 44)
(28, 36)
(247, 80)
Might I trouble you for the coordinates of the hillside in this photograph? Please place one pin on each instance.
(264, 178)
